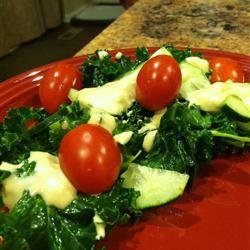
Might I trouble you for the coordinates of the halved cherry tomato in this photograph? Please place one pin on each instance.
(56, 83)
(158, 82)
(224, 69)
(90, 158)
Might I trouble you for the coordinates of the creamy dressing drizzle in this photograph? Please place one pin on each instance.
(47, 180)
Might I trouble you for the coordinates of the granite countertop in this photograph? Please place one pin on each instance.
(222, 25)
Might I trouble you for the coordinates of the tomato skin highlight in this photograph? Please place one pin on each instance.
(158, 82)
(55, 85)
(90, 158)
(224, 69)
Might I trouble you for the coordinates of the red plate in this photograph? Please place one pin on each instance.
(215, 214)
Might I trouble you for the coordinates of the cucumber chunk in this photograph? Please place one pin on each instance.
(193, 70)
(236, 108)
(244, 125)
(156, 186)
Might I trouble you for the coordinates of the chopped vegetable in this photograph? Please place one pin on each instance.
(156, 186)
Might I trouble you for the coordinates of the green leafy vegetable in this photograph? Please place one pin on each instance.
(183, 140)
(34, 225)
(26, 169)
(16, 140)
(114, 207)
(98, 71)
(242, 139)
(4, 174)
(179, 54)
(71, 116)
(134, 119)
(188, 137)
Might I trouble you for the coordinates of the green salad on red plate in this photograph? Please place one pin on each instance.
(113, 138)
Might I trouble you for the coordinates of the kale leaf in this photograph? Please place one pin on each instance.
(26, 169)
(16, 140)
(188, 137)
(133, 120)
(31, 224)
(114, 207)
(34, 225)
(183, 140)
(3, 175)
(230, 137)
(180, 54)
(70, 117)
(98, 71)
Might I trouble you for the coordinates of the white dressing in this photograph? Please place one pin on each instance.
(124, 137)
(154, 121)
(102, 54)
(148, 140)
(213, 97)
(103, 119)
(47, 180)
(99, 226)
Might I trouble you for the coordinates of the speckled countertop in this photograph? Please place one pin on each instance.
(223, 25)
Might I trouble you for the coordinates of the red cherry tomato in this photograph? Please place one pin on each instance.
(224, 69)
(55, 85)
(90, 158)
(158, 82)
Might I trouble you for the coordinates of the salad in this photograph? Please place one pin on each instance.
(112, 139)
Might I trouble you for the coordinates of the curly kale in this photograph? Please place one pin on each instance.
(32, 224)
(99, 70)
(180, 54)
(17, 140)
(188, 137)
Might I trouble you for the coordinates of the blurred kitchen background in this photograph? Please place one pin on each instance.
(36, 32)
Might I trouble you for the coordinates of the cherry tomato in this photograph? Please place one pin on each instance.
(90, 158)
(55, 85)
(224, 69)
(158, 82)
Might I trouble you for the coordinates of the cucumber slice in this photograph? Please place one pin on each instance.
(244, 126)
(236, 108)
(156, 186)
